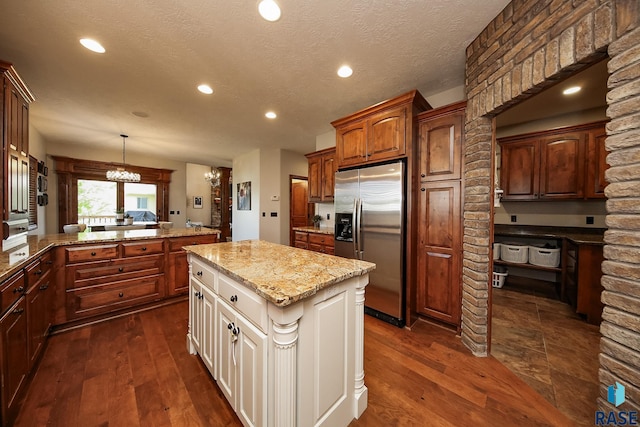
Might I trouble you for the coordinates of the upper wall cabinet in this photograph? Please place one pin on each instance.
(381, 132)
(561, 164)
(321, 175)
(14, 128)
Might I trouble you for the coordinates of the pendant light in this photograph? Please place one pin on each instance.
(121, 174)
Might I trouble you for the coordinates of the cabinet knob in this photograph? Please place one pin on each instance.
(93, 254)
(18, 311)
(19, 289)
(144, 248)
(423, 175)
(234, 298)
(44, 287)
(199, 273)
(423, 189)
(121, 294)
(120, 269)
(38, 272)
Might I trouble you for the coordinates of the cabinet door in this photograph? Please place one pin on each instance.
(208, 319)
(14, 358)
(178, 282)
(251, 374)
(562, 161)
(438, 294)
(39, 299)
(315, 179)
(328, 176)
(440, 148)
(520, 169)
(226, 350)
(351, 144)
(596, 164)
(387, 135)
(195, 314)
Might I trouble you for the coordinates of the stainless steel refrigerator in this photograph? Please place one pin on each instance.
(370, 206)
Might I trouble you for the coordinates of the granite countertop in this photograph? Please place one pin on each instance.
(13, 259)
(313, 229)
(578, 235)
(281, 274)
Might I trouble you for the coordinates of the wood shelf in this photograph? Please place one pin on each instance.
(527, 265)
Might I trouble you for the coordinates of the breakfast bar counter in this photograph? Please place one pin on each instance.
(281, 330)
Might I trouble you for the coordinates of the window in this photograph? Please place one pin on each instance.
(85, 195)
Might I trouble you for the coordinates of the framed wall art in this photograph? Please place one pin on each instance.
(244, 196)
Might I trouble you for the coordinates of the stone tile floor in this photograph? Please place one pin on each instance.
(545, 343)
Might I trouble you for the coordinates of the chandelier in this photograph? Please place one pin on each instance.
(213, 177)
(121, 174)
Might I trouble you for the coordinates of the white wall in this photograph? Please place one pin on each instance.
(445, 97)
(270, 176)
(246, 224)
(37, 149)
(177, 187)
(197, 187)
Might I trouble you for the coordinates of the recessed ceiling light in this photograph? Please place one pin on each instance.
(206, 89)
(270, 115)
(571, 90)
(92, 45)
(345, 71)
(269, 10)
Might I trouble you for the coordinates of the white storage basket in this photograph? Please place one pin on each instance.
(512, 252)
(496, 251)
(544, 257)
(499, 276)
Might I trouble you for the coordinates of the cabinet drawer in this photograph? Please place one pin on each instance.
(177, 243)
(205, 274)
(113, 296)
(245, 300)
(96, 273)
(91, 253)
(147, 247)
(11, 290)
(320, 239)
(299, 236)
(301, 245)
(34, 273)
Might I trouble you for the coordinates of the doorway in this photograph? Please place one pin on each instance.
(300, 208)
(535, 332)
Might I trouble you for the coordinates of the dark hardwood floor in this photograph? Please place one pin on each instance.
(136, 371)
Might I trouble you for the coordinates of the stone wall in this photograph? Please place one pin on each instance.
(527, 48)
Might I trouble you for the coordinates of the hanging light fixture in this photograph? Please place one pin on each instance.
(213, 177)
(121, 174)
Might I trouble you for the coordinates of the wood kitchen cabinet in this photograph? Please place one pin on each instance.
(178, 267)
(317, 242)
(439, 244)
(14, 128)
(582, 288)
(381, 132)
(321, 175)
(301, 239)
(40, 300)
(104, 278)
(13, 354)
(560, 164)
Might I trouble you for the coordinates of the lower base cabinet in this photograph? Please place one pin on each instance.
(15, 366)
(297, 365)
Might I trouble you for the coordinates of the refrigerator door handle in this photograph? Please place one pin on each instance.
(354, 229)
(359, 229)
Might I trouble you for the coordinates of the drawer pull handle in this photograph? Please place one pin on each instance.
(93, 254)
(49, 262)
(19, 289)
(121, 294)
(18, 311)
(120, 269)
(38, 272)
(197, 294)
(44, 287)
(234, 298)
(199, 273)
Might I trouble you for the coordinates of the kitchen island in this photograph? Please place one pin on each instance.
(281, 330)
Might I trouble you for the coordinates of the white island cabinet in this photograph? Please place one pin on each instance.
(281, 330)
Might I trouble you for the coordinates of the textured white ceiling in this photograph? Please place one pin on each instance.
(159, 51)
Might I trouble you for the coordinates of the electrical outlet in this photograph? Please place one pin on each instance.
(589, 220)
(172, 212)
(328, 216)
(514, 218)
(274, 213)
